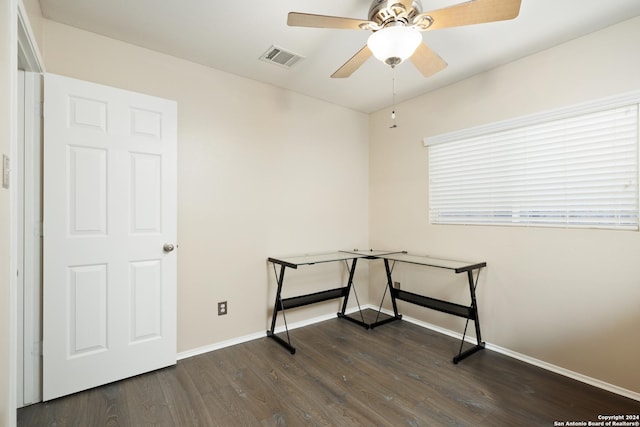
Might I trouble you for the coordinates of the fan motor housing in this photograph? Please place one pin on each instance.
(384, 12)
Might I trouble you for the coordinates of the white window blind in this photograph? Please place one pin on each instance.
(569, 171)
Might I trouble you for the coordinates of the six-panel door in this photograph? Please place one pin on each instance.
(109, 305)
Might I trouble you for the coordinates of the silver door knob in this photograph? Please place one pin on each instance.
(168, 247)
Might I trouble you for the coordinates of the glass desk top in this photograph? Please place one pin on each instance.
(399, 256)
(308, 259)
(458, 266)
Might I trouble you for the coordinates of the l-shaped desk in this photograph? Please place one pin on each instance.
(390, 258)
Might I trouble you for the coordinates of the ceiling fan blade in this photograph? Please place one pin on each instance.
(427, 61)
(352, 64)
(296, 19)
(474, 12)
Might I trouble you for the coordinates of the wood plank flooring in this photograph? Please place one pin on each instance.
(342, 375)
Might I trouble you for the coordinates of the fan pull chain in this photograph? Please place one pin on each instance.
(393, 111)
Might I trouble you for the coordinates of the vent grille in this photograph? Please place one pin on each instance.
(280, 57)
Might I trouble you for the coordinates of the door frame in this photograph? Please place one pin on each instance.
(28, 165)
(27, 259)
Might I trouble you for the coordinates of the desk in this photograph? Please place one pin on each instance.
(390, 258)
(468, 312)
(281, 304)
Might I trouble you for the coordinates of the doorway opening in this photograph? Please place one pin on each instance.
(26, 197)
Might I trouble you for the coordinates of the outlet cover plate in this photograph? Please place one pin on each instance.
(222, 308)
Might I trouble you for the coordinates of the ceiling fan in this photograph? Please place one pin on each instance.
(396, 26)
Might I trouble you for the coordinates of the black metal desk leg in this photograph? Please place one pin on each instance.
(352, 271)
(391, 290)
(392, 295)
(473, 315)
(278, 306)
(347, 292)
(474, 304)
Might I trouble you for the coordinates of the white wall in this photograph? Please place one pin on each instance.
(566, 297)
(261, 172)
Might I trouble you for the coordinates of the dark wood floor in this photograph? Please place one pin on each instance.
(342, 375)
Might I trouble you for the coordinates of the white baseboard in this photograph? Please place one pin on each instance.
(527, 359)
(519, 356)
(257, 335)
(565, 372)
(219, 345)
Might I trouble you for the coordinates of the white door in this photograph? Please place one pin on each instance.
(109, 297)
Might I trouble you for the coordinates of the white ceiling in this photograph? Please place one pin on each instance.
(232, 35)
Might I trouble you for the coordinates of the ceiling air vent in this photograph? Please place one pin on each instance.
(281, 57)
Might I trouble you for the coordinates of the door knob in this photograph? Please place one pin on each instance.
(168, 247)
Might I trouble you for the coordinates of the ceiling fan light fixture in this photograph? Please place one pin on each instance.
(394, 44)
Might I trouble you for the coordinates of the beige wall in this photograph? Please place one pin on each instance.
(8, 67)
(261, 172)
(566, 297)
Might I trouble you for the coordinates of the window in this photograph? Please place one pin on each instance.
(575, 167)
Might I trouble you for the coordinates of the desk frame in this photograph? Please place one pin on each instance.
(282, 304)
(468, 312)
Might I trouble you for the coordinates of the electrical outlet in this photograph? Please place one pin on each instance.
(222, 308)
(396, 285)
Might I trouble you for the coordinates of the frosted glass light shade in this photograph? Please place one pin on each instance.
(393, 45)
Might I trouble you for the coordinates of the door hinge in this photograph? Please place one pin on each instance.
(37, 349)
(6, 171)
